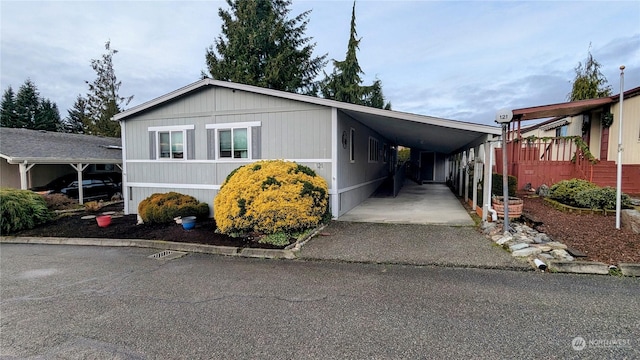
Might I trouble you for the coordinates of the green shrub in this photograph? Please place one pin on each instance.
(22, 209)
(163, 208)
(601, 198)
(271, 197)
(496, 185)
(566, 191)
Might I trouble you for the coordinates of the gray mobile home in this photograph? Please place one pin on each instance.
(189, 141)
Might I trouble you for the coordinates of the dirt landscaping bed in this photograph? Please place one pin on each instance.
(593, 234)
(125, 227)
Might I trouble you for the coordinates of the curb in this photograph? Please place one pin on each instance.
(579, 267)
(575, 267)
(629, 269)
(158, 244)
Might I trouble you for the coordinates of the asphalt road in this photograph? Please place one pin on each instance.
(70, 302)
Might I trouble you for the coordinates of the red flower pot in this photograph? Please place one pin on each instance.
(104, 220)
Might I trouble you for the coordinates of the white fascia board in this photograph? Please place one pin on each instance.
(234, 125)
(171, 128)
(62, 161)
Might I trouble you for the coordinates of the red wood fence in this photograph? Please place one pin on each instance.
(547, 161)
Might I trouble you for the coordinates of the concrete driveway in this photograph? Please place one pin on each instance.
(416, 204)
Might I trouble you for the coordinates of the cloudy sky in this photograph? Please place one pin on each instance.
(452, 59)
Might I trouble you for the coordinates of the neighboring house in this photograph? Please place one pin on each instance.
(30, 158)
(189, 141)
(543, 157)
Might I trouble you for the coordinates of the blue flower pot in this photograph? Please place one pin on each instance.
(188, 222)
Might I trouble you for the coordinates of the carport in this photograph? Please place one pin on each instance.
(455, 147)
(415, 204)
(23, 149)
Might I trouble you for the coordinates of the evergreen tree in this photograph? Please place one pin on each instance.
(47, 117)
(77, 117)
(27, 102)
(589, 82)
(345, 82)
(27, 110)
(260, 46)
(103, 100)
(8, 117)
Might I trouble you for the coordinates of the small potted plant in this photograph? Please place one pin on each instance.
(103, 220)
(188, 222)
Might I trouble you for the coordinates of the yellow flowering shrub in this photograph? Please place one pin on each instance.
(269, 197)
(163, 208)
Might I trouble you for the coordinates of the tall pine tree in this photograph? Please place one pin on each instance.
(47, 117)
(103, 100)
(589, 82)
(8, 116)
(27, 101)
(260, 46)
(345, 82)
(76, 117)
(27, 110)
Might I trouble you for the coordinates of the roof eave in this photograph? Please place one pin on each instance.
(311, 100)
(31, 160)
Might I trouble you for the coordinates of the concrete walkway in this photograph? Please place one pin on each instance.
(408, 244)
(423, 225)
(416, 204)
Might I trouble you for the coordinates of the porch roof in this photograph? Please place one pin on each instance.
(560, 110)
(569, 108)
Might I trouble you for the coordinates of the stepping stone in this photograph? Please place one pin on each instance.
(576, 253)
(518, 246)
(88, 217)
(556, 245)
(526, 252)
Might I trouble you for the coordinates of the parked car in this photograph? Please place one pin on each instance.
(95, 186)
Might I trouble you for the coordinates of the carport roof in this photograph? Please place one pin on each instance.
(34, 146)
(405, 129)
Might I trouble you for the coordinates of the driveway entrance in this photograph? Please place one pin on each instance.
(415, 204)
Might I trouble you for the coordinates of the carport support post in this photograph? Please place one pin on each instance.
(24, 168)
(79, 168)
(505, 181)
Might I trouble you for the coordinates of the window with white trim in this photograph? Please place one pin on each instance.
(373, 150)
(234, 140)
(171, 142)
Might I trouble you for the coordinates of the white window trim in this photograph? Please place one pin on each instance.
(232, 126)
(375, 153)
(171, 128)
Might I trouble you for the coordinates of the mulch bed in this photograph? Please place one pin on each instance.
(594, 235)
(72, 225)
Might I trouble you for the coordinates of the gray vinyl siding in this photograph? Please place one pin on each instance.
(358, 180)
(288, 130)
